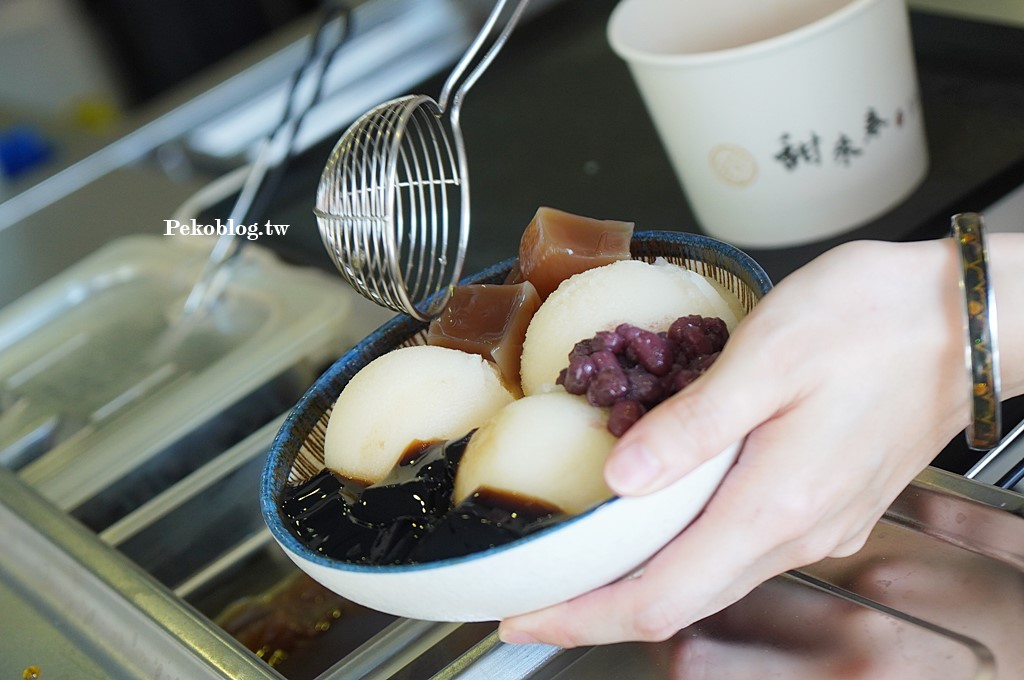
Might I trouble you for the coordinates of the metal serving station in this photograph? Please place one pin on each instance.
(135, 544)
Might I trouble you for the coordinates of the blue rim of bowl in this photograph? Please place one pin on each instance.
(289, 438)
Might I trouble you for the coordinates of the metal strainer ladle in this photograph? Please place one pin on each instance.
(395, 185)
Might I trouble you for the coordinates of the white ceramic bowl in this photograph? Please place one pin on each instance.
(544, 568)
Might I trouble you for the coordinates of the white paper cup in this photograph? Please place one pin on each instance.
(786, 121)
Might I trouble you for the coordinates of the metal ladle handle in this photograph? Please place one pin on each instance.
(455, 87)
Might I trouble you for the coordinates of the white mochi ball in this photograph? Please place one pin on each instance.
(409, 395)
(549, 447)
(649, 296)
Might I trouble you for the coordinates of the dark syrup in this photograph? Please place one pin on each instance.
(407, 518)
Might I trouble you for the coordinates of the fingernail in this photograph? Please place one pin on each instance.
(633, 469)
(516, 637)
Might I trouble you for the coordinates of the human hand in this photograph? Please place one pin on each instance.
(845, 381)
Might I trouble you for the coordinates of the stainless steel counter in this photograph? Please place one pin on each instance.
(937, 592)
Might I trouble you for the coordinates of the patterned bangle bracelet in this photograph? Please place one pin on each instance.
(981, 352)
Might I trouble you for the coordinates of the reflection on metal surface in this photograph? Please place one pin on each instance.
(984, 660)
(937, 592)
(966, 515)
(792, 627)
(949, 551)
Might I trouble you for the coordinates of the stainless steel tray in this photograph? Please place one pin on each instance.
(72, 609)
(937, 593)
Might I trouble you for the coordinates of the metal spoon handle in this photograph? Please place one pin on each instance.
(213, 277)
(208, 286)
(455, 87)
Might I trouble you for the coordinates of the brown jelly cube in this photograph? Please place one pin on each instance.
(558, 244)
(514, 274)
(489, 320)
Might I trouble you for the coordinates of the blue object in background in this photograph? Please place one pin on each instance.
(22, 149)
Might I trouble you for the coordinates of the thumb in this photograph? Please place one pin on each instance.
(718, 409)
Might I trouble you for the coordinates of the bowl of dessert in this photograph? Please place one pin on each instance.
(453, 471)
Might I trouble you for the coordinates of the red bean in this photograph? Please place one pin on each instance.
(607, 340)
(603, 359)
(644, 387)
(623, 416)
(607, 387)
(651, 352)
(632, 369)
(577, 377)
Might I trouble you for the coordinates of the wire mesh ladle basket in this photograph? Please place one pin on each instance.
(393, 205)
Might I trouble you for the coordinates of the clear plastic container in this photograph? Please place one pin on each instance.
(106, 398)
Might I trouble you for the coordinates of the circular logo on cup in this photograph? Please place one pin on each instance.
(733, 164)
